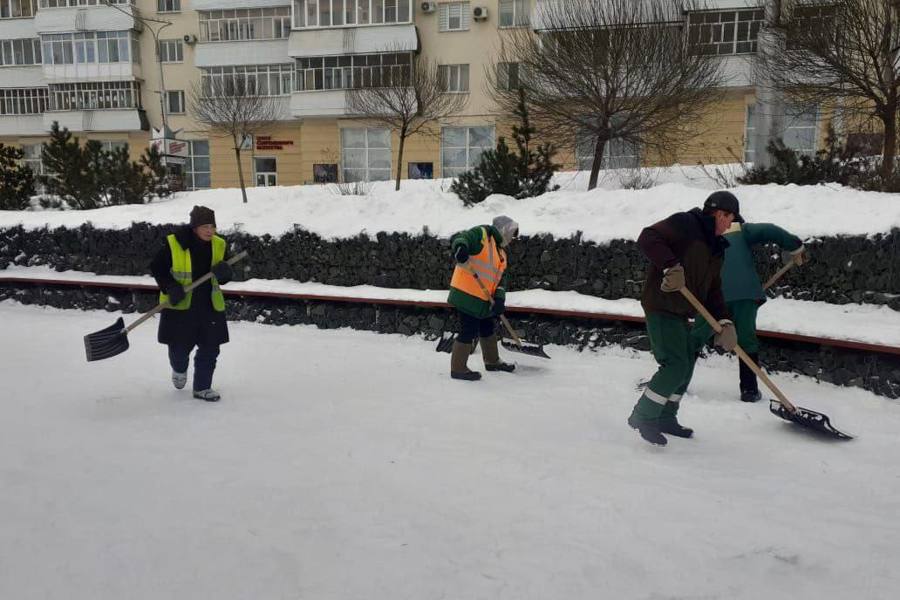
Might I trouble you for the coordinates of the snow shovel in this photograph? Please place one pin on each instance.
(778, 275)
(783, 408)
(114, 339)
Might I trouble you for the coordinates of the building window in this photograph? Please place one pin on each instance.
(336, 13)
(514, 13)
(618, 154)
(23, 101)
(461, 147)
(801, 131)
(16, 9)
(454, 16)
(168, 5)
(196, 166)
(325, 173)
(95, 95)
(113, 145)
(454, 78)
(245, 24)
(366, 154)
(20, 52)
(73, 3)
(175, 102)
(344, 72)
(261, 80)
(725, 32)
(90, 47)
(171, 51)
(266, 170)
(420, 170)
(509, 75)
(34, 158)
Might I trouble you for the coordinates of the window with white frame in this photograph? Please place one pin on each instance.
(168, 5)
(725, 32)
(454, 16)
(262, 80)
(23, 101)
(514, 13)
(95, 95)
(461, 147)
(16, 9)
(113, 145)
(171, 51)
(801, 130)
(90, 47)
(365, 154)
(196, 166)
(273, 23)
(20, 52)
(345, 72)
(618, 154)
(175, 102)
(337, 13)
(510, 75)
(33, 157)
(454, 78)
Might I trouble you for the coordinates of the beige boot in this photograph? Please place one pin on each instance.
(491, 356)
(458, 359)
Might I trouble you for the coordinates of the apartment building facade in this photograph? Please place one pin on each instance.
(92, 66)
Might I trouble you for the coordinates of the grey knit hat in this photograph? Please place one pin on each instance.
(200, 215)
(508, 228)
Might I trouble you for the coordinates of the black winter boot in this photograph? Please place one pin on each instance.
(491, 355)
(668, 421)
(458, 358)
(649, 430)
(749, 385)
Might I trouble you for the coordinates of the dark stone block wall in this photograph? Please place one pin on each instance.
(879, 373)
(843, 270)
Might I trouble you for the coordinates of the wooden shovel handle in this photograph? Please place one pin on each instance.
(503, 318)
(187, 288)
(778, 275)
(738, 350)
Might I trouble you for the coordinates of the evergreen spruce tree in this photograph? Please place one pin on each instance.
(520, 174)
(70, 172)
(16, 179)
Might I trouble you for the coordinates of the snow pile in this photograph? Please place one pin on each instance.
(601, 215)
(345, 465)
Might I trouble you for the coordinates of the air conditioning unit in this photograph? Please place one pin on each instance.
(480, 13)
(190, 39)
(429, 7)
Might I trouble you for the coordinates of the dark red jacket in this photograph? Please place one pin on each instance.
(688, 238)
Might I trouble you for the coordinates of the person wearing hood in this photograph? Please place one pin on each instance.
(685, 250)
(480, 255)
(742, 289)
(195, 318)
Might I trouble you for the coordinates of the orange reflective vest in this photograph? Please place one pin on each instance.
(489, 265)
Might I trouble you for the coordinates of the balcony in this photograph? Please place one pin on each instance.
(203, 5)
(22, 77)
(353, 40)
(98, 120)
(86, 18)
(253, 52)
(324, 103)
(22, 125)
(13, 29)
(121, 71)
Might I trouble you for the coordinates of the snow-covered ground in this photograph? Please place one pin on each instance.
(601, 215)
(347, 465)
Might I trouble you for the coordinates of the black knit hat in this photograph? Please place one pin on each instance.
(200, 215)
(723, 200)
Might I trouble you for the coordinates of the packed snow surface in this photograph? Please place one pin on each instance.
(348, 465)
(601, 215)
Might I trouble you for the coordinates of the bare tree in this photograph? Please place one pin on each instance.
(845, 53)
(612, 70)
(407, 97)
(233, 107)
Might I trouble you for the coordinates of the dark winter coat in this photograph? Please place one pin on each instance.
(739, 278)
(686, 238)
(200, 324)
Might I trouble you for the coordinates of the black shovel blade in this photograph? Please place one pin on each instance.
(525, 348)
(106, 342)
(445, 344)
(809, 419)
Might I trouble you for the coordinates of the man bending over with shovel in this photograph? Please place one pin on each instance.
(741, 286)
(195, 318)
(685, 250)
(477, 291)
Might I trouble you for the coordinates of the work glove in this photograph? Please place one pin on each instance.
(223, 272)
(799, 256)
(499, 307)
(673, 279)
(176, 293)
(727, 338)
(461, 254)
